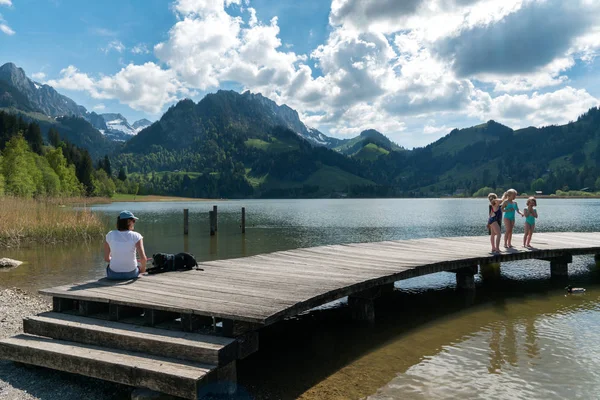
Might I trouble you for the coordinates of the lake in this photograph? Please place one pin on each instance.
(520, 337)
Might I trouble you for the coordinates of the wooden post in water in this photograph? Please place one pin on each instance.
(185, 221)
(490, 272)
(216, 219)
(559, 266)
(211, 218)
(243, 219)
(465, 279)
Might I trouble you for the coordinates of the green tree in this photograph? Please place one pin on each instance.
(483, 192)
(103, 184)
(107, 166)
(69, 184)
(53, 137)
(85, 171)
(122, 174)
(33, 135)
(49, 184)
(538, 185)
(17, 169)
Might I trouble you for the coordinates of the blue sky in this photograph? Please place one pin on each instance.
(412, 69)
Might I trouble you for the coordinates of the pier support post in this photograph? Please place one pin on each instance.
(490, 272)
(243, 219)
(154, 317)
(465, 278)
(211, 218)
(87, 308)
(559, 266)
(60, 304)
(117, 312)
(362, 305)
(224, 382)
(185, 221)
(215, 218)
(387, 289)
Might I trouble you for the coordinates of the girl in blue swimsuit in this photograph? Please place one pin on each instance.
(510, 207)
(530, 216)
(494, 219)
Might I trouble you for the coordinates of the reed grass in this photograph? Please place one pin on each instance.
(45, 221)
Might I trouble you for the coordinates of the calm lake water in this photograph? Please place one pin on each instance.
(520, 337)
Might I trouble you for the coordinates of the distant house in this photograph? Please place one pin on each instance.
(539, 192)
(585, 189)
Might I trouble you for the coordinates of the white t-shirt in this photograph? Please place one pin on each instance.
(122, 250)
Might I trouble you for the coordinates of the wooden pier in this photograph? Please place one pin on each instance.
(181, 332)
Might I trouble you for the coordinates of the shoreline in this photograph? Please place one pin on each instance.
(154, 198)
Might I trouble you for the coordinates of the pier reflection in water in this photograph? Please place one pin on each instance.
(515, 339)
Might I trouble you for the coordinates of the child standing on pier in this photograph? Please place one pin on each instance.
(510, 207)
(494, 220)
(530, 214)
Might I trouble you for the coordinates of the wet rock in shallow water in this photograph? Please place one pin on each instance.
(9, 263)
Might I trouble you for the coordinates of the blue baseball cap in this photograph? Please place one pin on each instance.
(127, 215)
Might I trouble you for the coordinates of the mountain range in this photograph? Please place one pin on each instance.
(18, 92)
(233, 144)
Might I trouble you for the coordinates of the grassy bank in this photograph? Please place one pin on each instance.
(45, 221)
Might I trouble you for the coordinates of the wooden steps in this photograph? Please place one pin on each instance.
(175, 377)
(168, 361)
(195, 347)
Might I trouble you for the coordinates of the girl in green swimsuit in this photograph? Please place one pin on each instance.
(510, 207)
(530, 214)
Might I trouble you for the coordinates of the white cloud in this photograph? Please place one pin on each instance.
(5, 28)
(115, 45)
(140, 48)
(435, 130)
(39, 76)
(6, 3)
(144, 87)
(99, 107)
(518, 111)
(103, 32)
(72, 79)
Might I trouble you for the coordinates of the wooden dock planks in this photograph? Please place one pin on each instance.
(265, 288)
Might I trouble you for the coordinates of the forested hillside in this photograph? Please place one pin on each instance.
(31, 168)
(491, 155)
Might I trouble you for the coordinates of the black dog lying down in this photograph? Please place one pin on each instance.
(163, 262)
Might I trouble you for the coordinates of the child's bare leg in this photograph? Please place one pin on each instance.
(507, 225)
(492, 237)
(525, 234)
(531, 229)
(512, 230)
(496, 229)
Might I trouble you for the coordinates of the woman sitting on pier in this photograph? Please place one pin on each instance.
(120, 249)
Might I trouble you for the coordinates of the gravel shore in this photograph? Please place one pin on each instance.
(21, 382)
